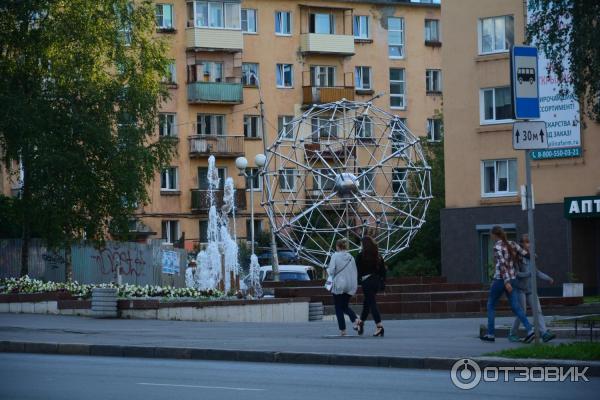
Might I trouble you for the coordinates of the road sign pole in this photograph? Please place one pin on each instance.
(532, 265)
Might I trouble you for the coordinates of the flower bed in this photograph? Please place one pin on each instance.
(26, 285)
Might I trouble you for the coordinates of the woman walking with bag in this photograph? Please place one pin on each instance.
(342, 283)
(371, 275)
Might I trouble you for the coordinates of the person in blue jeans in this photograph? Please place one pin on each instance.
(506, 255)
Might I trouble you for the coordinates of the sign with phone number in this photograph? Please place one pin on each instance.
(555, 153)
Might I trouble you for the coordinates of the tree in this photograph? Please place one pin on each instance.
(569, 30)
(80, 84)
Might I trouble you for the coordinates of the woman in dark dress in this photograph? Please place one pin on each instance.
(371, 273)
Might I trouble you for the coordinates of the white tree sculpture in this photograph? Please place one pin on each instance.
(346, 169)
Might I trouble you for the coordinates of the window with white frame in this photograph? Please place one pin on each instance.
(203, 178)
(323, 23)
(363, 127)
(166, 124)
(164, 16)
(397, 88)
(322, 76)
(169, 179)
(210, 124)
(170, 231)
(495, 105)
(214, 14)
(170, 75)
(323, 127)
(125, 34)
(211, 71)
(434, 129)
(249, 20)
(396, 37)
(287, 179)
(283, 23)
(499, 177)
(398, 135)
(496, 34)
(256, 181)
(433, 81)
(252, 126)
(432, 30)
(362, 77)
(250, 74)
(361, 26)
(285, 129)
(366, 180)
(284, 74)
(399, 182)
(324, 179)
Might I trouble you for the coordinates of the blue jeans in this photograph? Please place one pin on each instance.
(496, 290)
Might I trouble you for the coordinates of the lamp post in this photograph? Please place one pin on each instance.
(241, 163)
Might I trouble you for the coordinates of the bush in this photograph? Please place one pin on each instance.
(417, 266)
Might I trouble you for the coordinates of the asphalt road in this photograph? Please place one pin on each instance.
(29, 376)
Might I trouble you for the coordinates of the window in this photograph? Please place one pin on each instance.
(171, 73)
(366, 182)
(361, 27)
(495, 105)
(398, 135)
(250, 74)
(209, 124)
(363, 127)
(252, 128)
(286, 131)
(433, 81)
(124, 31)
(283, 23)
(211, 71)
(322, 76)
(399, 183)
(170, 231)
(322, 23)
(396, 37)
(434, 129)
(324, 179)
(256, 182)
(203, 231)
(164, 16)
(168, 179)
(323, 128)
(432, 30)
(248, 20)
(214, 14)
(362, 78)
(284, 76)
(203, 178)
(496, 34)
(499, 177)
(397, 88)
(166, 125)
(287, 179)
(257, 228)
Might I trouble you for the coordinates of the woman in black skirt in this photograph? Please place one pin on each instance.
(371, 274)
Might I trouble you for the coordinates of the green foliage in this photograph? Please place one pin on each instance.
(263, 238)
(417, 266)
(9, 215)
(244, 254)
(79, 111)
(564, 351)
(575, 42)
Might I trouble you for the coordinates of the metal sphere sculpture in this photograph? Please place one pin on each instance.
(344, 170)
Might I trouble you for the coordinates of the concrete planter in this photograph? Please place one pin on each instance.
(104, 303)
(572, 289)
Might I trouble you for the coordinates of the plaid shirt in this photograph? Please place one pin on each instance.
(505, 266)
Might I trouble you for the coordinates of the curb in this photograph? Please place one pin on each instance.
(431, 363)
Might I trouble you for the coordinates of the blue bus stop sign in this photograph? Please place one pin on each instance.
(524, 80)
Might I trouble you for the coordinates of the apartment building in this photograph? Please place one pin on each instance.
(300, 53)
(484, 173)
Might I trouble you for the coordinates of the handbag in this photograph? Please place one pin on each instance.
(329, 282)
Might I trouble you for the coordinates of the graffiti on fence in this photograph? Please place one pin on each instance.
(113, 258)
(53, 260)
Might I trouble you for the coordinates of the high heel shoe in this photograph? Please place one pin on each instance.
(361, 327)
(379, 332)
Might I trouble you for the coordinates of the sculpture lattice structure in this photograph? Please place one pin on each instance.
(346, 169)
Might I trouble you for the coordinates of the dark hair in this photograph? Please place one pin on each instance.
(500, 234)
(369, 248)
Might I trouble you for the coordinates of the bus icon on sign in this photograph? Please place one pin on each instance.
(526, 74)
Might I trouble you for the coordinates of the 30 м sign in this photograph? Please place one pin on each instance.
(530, 135)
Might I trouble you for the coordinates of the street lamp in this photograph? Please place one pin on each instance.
(241, 163)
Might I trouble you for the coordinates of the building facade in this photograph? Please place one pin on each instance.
(483, 172)
(299, 53)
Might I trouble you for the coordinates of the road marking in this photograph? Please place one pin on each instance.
(202, 387)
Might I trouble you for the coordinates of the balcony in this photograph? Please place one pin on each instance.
(319, 43)
(334, 152)
(320, 95)
(222, 146)
(228, 40)
(201, 201)
(215, 93)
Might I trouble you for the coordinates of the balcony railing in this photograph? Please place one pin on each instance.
(319, 95)
(223, 146)
(214, 92)
(326, 44)
(231, 40)
(201, 199)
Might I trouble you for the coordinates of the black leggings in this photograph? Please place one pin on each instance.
(370, 288)
(341, 307)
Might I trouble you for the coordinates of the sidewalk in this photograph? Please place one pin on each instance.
(433, 343)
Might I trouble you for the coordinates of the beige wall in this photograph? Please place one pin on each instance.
(467, 142)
